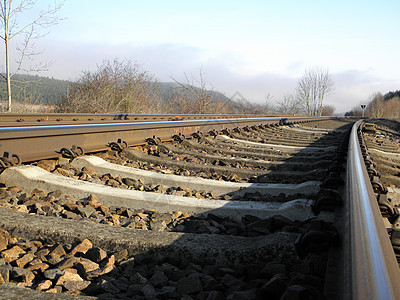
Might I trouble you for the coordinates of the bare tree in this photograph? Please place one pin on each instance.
(391, 108)
(328, 110)
(115, 87)
(312, 88)
(289, 105)
(222, 106)
(198, 90)
(268, 103)
(10, 13)
(381, 106)
(375, 107)
(355, 112)
(178, 103)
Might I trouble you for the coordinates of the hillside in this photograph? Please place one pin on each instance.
(166, 90)
(35, 89)
(391, 95)
(45, 90)
(28, 89)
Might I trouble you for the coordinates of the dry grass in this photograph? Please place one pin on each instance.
(28, 108)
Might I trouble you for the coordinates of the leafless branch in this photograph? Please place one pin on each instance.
(32, 30)
(312, 88)
(200, 92)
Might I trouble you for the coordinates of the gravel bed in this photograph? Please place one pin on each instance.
(84, 269)
(88, 174)
(113, 157)
(329, 124)
(290, 164)
(287, 139)
(284, 135)
(236, 146)
(55, 204)
(388, 166)
(148, 158)
(383, 140)
(203, 146)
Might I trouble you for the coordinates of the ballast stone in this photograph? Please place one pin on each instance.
(32, 177)
(101, 166)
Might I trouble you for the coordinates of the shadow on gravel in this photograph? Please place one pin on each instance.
(232, 254)
(393, 125)
(219, 257)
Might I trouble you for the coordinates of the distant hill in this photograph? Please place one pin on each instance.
(391, 95)
(30, 89)
(44, 90)
(35, 89)
(166, 91)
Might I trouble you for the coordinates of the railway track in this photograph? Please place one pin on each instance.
(19, 120)
(228, 208)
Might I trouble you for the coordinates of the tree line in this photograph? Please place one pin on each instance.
(380, 106)
(35, 90)
(123, 87)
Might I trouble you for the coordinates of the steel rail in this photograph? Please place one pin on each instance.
(60, 117)
(41, 142)
(53, 119)
(374, 272)
(76, 122)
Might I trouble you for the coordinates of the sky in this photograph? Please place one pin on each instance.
(254, 47)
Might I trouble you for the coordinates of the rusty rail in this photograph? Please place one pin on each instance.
(52, 119)
(41, 142)
(59, 117)
(374, 272)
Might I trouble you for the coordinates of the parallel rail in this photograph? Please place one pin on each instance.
(374, 270)
(34, 143)
(59, 117)
(52, 119)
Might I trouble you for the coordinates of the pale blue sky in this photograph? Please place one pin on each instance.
(254, 47)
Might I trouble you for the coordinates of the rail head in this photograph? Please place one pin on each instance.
(30, 143)
(31, 131)
(374, 272)
(59, 117)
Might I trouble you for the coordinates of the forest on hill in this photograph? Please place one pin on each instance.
(390, 95)
(34, 89)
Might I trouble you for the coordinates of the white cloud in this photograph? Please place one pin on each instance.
(226, 71)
